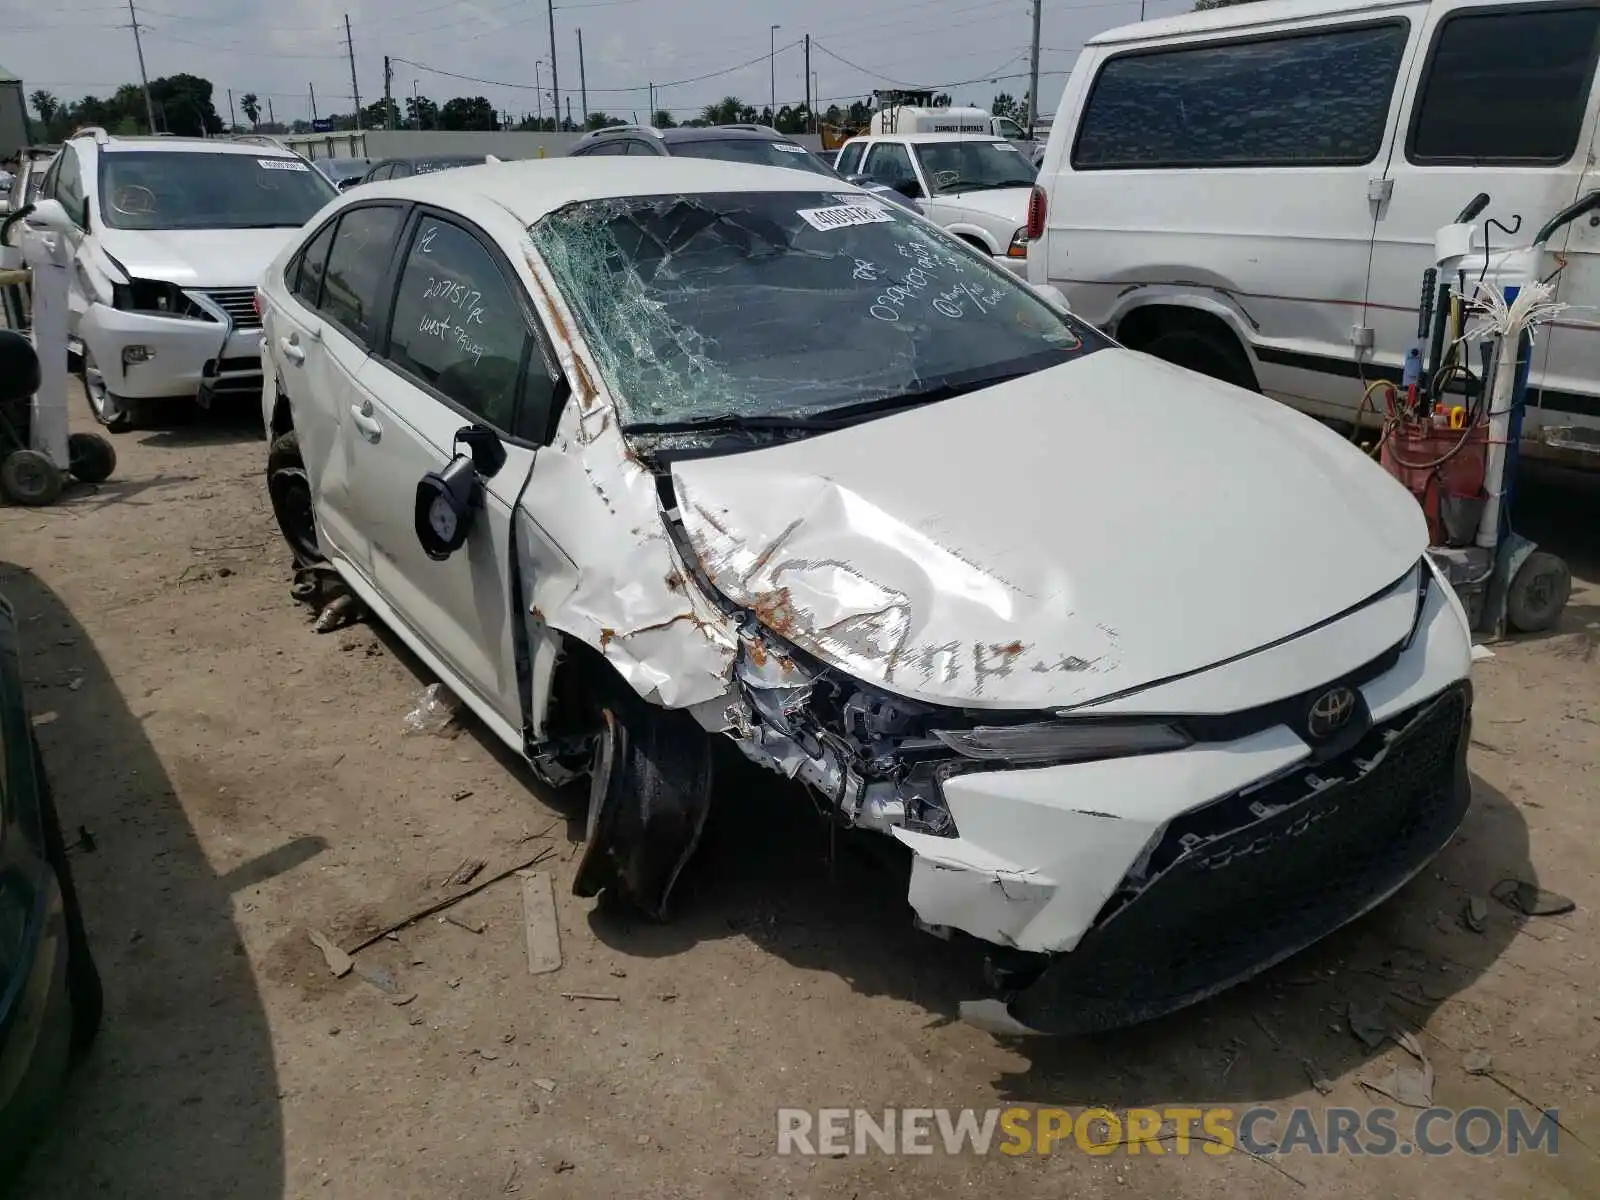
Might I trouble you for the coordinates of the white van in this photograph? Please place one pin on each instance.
(1253, 191)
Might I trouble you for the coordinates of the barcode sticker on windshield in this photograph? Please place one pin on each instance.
(281, 164)
(1005, 146)
(787, 148)
(840, 216)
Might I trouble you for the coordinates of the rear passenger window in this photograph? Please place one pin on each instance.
(1506, 87)
(362, 247)
(305, 278)
(1309, 99)
(458, 327)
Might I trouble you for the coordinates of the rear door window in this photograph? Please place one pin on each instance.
(305, 276)
(363, 246)
(1301, 99)
(1507, 86)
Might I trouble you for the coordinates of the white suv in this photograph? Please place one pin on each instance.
(168, 238)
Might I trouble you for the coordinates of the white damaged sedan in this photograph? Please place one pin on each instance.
(1150, 676)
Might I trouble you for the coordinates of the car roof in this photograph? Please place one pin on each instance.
(533, 188)
(721, 133)
(188, 145)
(927, 137)
(1262, 12)
(434, 158)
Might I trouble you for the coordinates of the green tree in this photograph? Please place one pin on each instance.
(45, 104)
(727, 111)
(380, 114)
(183, 104)
(421, 113)
(600, 120)
(942, 100)
(662, 119)
(250, 105)
(468, 112)
(1005, 105)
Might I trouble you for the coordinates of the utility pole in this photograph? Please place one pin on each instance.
(313, 88)
(271, 120)
(569, 110)
(1033, 69)
(555, 84)
(388, 95)
(652, 86)
(233, 121)
(355, 88)
(583, 82)
(772, 68)
(538, 93)
(144, 79)
(811, 118)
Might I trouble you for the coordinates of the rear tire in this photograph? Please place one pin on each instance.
(83, 976)
(289, 488)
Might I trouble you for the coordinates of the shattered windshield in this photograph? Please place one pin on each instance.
(788, 304)
(974, 166)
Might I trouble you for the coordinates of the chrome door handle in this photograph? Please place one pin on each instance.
(371, 428)
(291, 351)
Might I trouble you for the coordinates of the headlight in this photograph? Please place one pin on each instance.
(152, 296)
(1019, 244)
(1051, 743)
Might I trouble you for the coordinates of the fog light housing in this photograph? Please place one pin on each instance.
(133, 355)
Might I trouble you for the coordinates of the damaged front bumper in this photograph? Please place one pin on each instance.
(1122, 888)
(147, 356)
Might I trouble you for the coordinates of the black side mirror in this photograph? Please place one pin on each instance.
(448, 500)
(909, 188)
(19, 367)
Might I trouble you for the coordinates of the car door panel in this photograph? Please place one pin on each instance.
(458, 351)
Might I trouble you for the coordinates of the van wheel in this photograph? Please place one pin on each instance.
(289, 489)
(1196, 341)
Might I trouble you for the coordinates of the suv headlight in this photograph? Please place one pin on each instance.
(156, 298)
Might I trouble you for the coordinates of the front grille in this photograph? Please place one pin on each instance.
(1252, 878)
(238, 303)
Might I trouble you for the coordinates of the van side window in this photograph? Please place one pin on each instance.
(1303, 99)
(1506, 87)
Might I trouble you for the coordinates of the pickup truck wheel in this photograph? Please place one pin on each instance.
(290, 491)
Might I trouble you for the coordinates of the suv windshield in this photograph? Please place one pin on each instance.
(753, 150)
(728, 306)
(974, 166)
(149, 189)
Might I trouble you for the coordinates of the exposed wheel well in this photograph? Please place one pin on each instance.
(282, 417)
(1189, 337)
(976, 242)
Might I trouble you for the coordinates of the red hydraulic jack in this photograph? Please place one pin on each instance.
(1451, 434)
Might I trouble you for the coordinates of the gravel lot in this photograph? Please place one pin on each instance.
(246, 779)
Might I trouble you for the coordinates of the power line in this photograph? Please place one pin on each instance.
(760, 58)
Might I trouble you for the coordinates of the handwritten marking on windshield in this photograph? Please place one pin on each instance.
(865, 271)
(450, 333)
(953, 303)
(425, 243)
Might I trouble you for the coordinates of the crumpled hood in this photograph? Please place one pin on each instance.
(196, 257)
(1008, 204)
(1096, 527)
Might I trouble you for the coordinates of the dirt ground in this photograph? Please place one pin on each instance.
(245, 779)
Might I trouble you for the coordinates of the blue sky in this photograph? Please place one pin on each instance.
(280, 50)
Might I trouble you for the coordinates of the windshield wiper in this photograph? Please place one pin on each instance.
(833, 418)
(985, 187)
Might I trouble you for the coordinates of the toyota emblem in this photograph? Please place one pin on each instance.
(1330, 712)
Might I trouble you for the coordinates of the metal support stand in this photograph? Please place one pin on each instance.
(49, 259)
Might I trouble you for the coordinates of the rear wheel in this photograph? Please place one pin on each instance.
(83, 977)
(290, 491)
